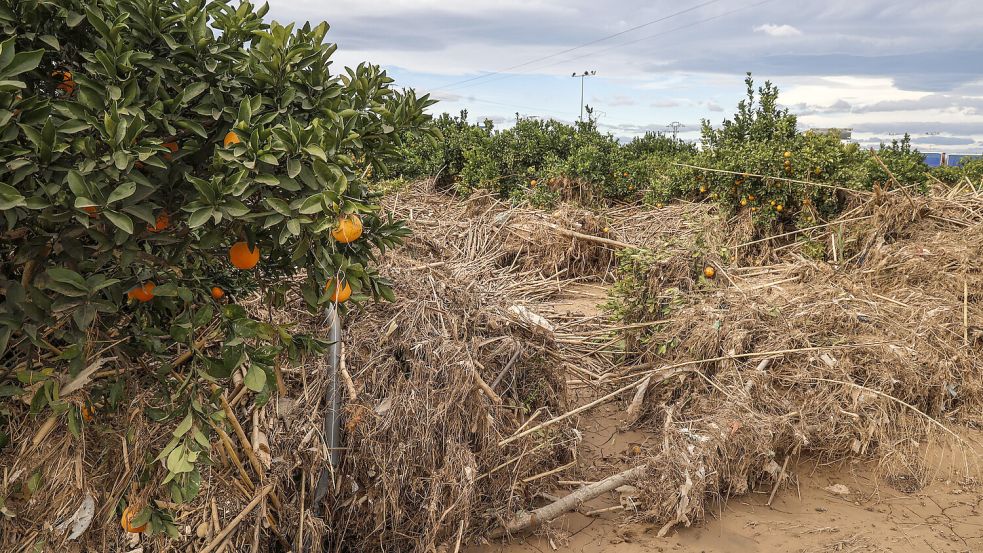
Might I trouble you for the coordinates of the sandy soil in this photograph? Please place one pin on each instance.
(804, 516)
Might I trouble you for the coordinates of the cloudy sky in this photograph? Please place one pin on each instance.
(881, 67)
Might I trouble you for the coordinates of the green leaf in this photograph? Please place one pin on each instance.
(199, 217)
(120, 220)
(22, 63)
(316, 151)
(122, 191)
(177, 460)
(121, 160)
(255, 379)
(10, 197)
(185, 425)
(67, 276)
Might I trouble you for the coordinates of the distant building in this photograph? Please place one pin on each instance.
(942, 159)
(955, 160)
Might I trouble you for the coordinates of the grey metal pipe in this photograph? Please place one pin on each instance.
(331, 431)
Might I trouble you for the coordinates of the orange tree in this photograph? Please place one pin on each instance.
(760, 164)
(159, 161)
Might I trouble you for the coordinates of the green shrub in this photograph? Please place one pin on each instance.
(141, 139)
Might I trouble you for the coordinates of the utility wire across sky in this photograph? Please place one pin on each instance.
(475, 81)
(580, 46)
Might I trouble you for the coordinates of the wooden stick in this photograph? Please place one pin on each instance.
(550, 472)
(587, 237)
(235, 522)
(485, 388)
(965, 312)
(587, 406)
(778, 481)
(234, 457)
(531, 520)
(460, 534)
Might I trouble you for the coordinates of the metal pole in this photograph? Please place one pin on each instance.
(331, 431)
(582, 77)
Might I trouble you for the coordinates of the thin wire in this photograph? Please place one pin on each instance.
(584, 45)
(615, 47)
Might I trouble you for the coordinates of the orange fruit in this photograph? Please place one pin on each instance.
(779, 208)
(709, 272)
(348, 229)
(242, 257)
(67, 84)
(142, 293)
(788, 155)
(743, 202)
(231, 139)
(162, 223)
(126, 521)
(626, 175)
(173, 147)
(341, 293)
(217, 293)
(533, 183)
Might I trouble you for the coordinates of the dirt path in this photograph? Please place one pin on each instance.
(844, 507)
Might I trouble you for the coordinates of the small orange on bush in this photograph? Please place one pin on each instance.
(341, 293)
(533, 183)
(217, 293)
(126, 521)
(242, 257)
(779, 208)
(348, 229)
(788, 155)
(173, 147)
(231, 139)
(709, 272)
(67, 84)
(162, 223)
(626, 174)
(142, 293)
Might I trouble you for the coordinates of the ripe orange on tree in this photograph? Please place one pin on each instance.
(163, 222)
(126, 521)
(231, 139)
(142, 293)
(242, 257)
(173, 147)
(709, 272)
(217, 293)
(66, 83)
(341, 293)
(348, 229)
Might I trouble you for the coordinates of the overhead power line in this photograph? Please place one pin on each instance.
(623, 44)
(580, 46)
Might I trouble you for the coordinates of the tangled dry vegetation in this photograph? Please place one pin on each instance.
(457, 415)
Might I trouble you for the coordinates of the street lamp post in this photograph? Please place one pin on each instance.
(583, 76)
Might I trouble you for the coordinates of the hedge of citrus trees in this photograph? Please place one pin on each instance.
(159, 162)
(537, 159)
(757, 162)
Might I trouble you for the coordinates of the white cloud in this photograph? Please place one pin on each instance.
(778, 31)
